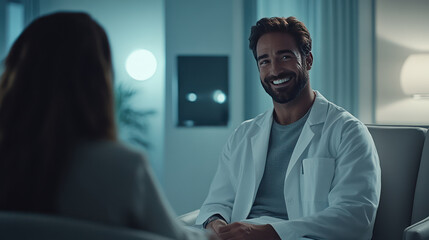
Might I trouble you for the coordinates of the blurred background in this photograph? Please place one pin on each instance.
(185, 78)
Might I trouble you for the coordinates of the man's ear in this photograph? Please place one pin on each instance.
(309, 60)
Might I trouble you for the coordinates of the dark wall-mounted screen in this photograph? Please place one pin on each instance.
(203, 91)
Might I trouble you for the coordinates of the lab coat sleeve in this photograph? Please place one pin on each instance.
(354, 195)
(222, 192)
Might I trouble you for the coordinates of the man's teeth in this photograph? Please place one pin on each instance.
(280, 81)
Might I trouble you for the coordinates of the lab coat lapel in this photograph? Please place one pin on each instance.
(302, 143)
(260, 147)
(317, 116)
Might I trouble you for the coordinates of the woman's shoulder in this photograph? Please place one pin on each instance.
(105, 154)
(101, 178)
(108, 148)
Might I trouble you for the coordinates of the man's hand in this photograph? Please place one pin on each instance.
(245, 231)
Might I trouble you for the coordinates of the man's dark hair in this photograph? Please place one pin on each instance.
(289, 25)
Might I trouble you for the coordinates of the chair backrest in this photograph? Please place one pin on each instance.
(399, 150)
(25, 226)
(421, 197)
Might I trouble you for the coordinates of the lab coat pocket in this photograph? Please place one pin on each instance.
(316, 179)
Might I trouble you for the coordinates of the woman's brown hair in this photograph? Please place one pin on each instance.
(56, 91)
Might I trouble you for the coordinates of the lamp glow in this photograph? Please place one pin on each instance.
(219, 96)
(415, 76)
(141, 64)
(191, 97)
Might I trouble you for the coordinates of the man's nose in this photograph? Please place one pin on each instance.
(276, 68)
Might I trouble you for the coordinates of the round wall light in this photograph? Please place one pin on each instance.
(191, 97)
(219, 96)
(141, 64)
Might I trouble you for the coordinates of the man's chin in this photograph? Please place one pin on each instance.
(284, 98)
(282, 101)
(280, 97)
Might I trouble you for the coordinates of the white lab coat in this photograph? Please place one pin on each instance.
(332, 183)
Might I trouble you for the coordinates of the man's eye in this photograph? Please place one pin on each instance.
(263, 62)
(286, 57)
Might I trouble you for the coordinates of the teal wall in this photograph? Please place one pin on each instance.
(2, 30)
(199, 27)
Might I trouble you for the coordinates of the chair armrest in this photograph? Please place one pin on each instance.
(417, 231)
(189, 218)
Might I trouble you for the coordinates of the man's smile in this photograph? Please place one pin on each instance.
(281, 82)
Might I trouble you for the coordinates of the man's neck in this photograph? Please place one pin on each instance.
(287, 113)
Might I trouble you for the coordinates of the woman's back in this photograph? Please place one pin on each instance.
(113, 184)
(99, 183)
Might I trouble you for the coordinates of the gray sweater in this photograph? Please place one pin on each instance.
(109, 183)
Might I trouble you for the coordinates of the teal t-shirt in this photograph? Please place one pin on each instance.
(269, 199)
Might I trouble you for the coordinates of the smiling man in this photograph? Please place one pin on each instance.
(304, 169)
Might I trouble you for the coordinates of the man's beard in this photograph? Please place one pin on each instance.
(287, 94)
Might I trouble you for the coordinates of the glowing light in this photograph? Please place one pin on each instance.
(219, 96)
(141, 64)
(191, 97)
(415, 76)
